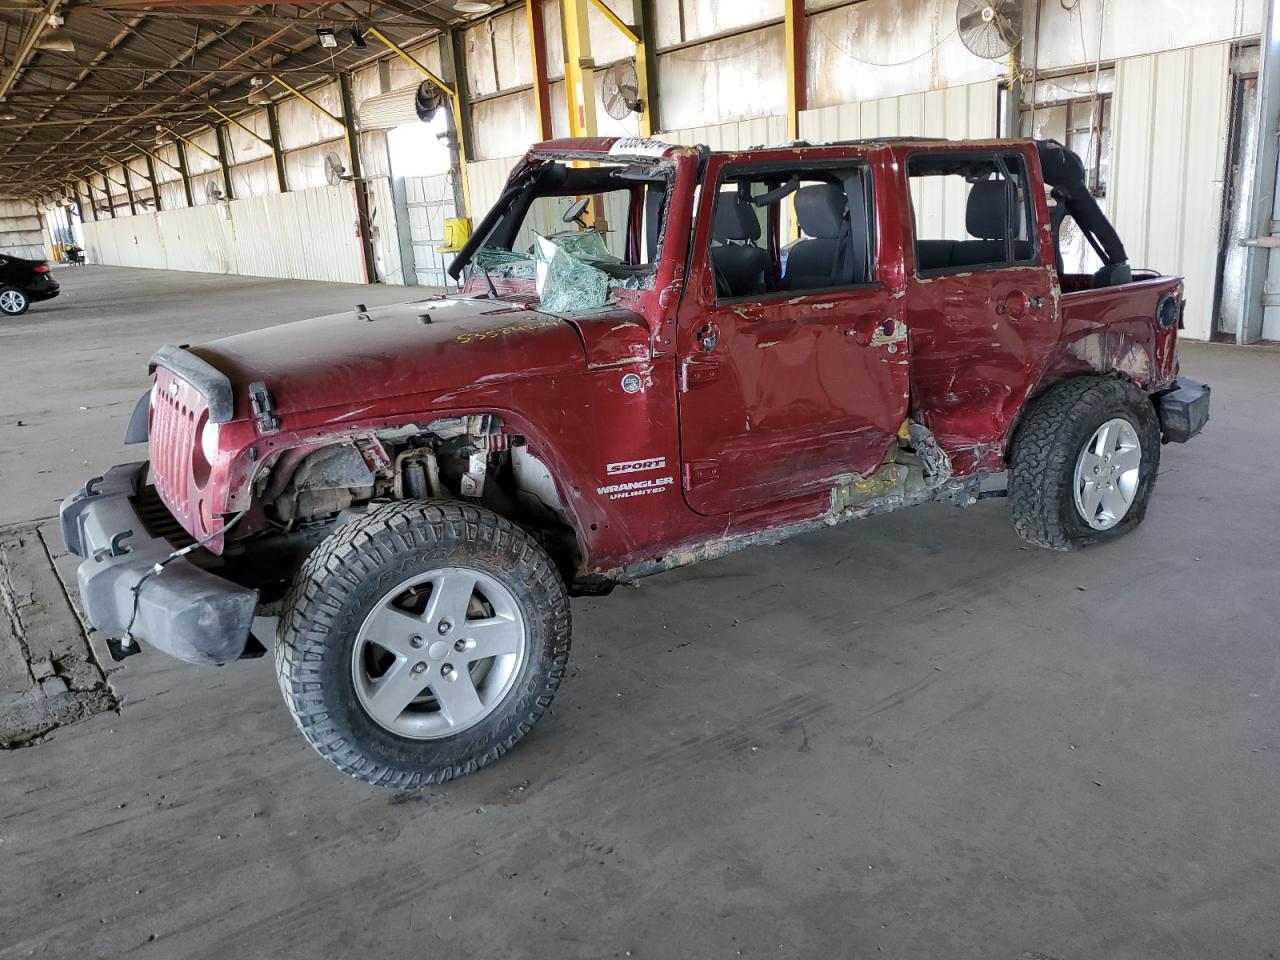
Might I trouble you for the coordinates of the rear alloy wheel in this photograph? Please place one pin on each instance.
(1106, 478)
(1084, 463)
(13, 301)
(421, 641)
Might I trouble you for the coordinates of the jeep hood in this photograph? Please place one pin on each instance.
(351, 359)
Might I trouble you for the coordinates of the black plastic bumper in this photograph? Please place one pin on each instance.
(184, 611)
(1184, 410)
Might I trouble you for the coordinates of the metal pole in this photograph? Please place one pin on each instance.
(797, 77)
(220, 134)
(184, 171)
(1262, 202)
(128, 189)
(357, 181)
(151, 175)
(538, 53)
(277, 154)
(579, 69)
(647, 66)
(106, 188)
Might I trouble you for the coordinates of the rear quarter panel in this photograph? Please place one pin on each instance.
(1113, 331)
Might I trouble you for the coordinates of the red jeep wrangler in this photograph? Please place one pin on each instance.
(660, 355)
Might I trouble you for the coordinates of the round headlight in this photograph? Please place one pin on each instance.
(209, 441)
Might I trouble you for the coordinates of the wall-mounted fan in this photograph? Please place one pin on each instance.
(335, 171)
(212, 192)
(620, 90)
(428, 101)
(989, 28)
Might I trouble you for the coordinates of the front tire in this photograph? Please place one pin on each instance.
(421, 642)
(1084, 464)
(13, 301)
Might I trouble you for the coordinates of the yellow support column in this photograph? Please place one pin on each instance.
(579, 69)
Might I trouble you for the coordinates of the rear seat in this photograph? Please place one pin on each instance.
(985, 219)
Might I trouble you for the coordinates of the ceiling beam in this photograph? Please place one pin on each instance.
(27, 46)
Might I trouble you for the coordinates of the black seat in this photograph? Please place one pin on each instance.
(740, 265)
(986, 217)
(819, 261)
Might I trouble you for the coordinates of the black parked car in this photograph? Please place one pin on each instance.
(22, 283)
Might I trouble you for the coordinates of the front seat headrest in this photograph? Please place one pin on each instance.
(986, 216)
(734, 218)
(820, 210)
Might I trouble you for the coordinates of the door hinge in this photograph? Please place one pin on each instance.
(694, 372)
(700, 471)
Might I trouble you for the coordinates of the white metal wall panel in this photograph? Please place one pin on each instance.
(21, 230)
(385, 231)
(487, 178)
(428, 201)
(307, 235)
(963, 112)
(305, 168)
(196, 238)
(172, 196)
(1169, 144)
(735, 135)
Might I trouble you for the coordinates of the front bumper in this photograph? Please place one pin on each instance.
(1183, 409)
(184, 611)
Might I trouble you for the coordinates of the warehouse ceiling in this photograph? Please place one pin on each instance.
(82, 81)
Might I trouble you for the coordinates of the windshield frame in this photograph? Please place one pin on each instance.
(521, 191)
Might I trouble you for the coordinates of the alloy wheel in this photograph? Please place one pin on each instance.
(1107, 474)
(438, 653)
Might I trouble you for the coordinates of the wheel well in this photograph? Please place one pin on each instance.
(307, 491)
(1044, 390)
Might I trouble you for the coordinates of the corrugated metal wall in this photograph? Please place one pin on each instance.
(21, 230)
(734, 135)
(306, 235)
(428, 202)
(964, 112)
(1167, 167)
(487, 178)
(386, 240)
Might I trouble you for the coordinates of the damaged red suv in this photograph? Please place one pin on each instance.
(660, 354)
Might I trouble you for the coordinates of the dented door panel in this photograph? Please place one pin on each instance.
(781, 396)
(977, 352)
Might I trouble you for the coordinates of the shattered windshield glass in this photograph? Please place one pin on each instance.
(577, 233)
(566, 281)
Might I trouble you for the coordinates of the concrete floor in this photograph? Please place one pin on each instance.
(909, 737)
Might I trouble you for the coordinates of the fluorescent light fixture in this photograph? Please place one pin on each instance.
(326, 37)
(258, 96)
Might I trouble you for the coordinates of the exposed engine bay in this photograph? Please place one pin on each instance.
(305, 493)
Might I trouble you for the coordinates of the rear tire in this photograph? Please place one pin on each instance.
(421, 642)
(13, 301)
(1084, 464)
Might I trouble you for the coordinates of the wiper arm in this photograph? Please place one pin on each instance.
(493, 291)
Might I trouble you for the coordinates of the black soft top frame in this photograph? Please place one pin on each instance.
(1064, 173)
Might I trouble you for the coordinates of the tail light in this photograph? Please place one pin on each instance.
(41, 268)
